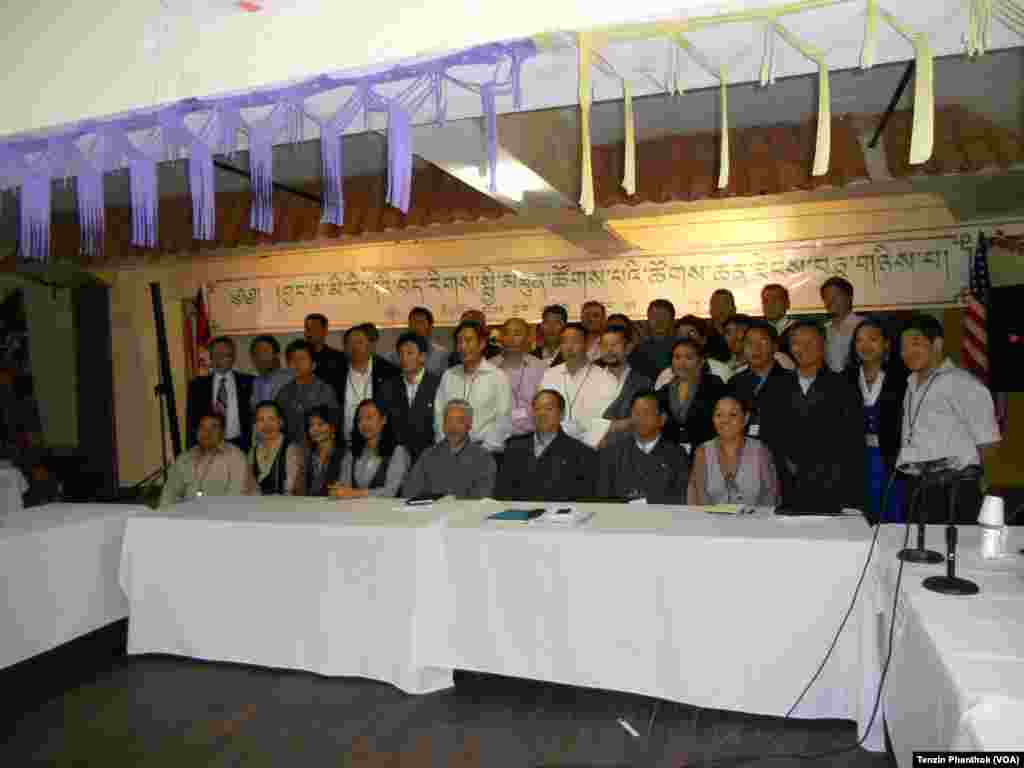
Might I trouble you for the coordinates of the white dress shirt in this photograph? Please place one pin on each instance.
(412, 389)
(233, 424)
(838, 337)
(649, 446)
(587, 396)
(489, 391)
(358, 387)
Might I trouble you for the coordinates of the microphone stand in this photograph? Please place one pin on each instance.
(920, 554)
(951, 584)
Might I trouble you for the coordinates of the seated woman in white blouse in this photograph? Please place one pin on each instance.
(375, 464)
(733, 468)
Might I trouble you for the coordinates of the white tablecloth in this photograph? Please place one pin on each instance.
(956, 680)
(715, 611)
(58, 567)
(337, 588)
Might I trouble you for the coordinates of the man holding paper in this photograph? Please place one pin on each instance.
(587, 388)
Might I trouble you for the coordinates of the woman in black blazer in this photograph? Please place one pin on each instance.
(878, 374)
(323, 453)
(689, 399)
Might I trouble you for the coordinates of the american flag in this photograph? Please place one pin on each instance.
(974, 339)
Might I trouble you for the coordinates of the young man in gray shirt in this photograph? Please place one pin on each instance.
(948, 417)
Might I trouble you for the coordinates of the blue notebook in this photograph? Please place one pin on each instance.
(520, 515)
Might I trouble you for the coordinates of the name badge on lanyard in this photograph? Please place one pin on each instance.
(872, 441)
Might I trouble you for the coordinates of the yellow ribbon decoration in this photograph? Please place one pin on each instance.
(723, 103)
(584, 42)
(823, 145)
(1009, 13)
(629, 162)
(922, 136)
(867, 53)
(723, 157)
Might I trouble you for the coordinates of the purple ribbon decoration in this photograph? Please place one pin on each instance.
(399, 157)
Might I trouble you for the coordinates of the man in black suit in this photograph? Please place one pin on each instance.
(646, 466)
(330, 363)
(225, 391)
(546, 465)
(409, 398)
(363, 377)
(752, 384)
(813, 423)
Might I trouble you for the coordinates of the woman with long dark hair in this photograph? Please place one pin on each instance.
(323, 454)
(690, 397)
(881, 380)
(276, 462)
(375, 464)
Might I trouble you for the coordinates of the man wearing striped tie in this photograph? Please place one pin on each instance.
(225, 391)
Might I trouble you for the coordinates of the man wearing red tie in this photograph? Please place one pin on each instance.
(226, 392)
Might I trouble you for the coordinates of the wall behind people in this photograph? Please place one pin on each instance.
(50, 316)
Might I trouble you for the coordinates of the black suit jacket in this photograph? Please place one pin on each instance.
(199, 402)
(564, 472)
(661, 477)
(698, 426)
(383, 371)
(331, 365)
(817, 441)
(413, 426)
(744, 386)
(894, 388)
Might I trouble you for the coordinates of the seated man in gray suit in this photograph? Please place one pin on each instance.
(456, 465)
(547, 464)
(644, 467)
(615, 344)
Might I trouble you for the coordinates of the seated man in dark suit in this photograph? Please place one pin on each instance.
(546, 465)
(646, 466)
(813, 423)
(225, 391)
(409, 399)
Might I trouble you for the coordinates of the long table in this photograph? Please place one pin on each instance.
(956, 680)
(296, 583)
(59, 575)
(670, 602)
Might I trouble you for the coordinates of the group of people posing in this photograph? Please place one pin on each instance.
(773, 411)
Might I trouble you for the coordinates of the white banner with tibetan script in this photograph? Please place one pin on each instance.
(904, 273)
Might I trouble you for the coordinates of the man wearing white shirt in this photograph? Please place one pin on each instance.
(224, 391)
(481, 384)
(837, 295)
(594, 318)
(948, 416)
(588, 389)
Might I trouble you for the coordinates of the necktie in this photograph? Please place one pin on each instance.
(222, 397)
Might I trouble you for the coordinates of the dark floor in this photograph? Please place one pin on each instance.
(158, 711)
